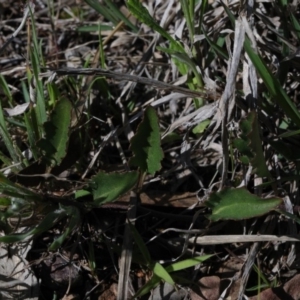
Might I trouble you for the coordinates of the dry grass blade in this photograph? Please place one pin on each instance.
(225, 105)
(247, 269)
(29, 8)
(127, 77)
(218, 239)
(124, 284)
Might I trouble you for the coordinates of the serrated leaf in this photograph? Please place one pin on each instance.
(108, 187)
(243, 147)
(146, 144)
(239, 204)
(57, 132)
(245, 160)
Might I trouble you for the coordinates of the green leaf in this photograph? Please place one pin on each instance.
(200, 128)
(57, 132)
(108, 187)
(296, 25)
(229, 13)
(171, 137)
(74, 215)
(93, 28)
(11, 189)
(146, 145)
(214, 46)
(103, 10)
(110, 11)
(6, 89)
(141, 245)
(258, 162)
(285, 149)
(250, 145)
(289, 215)
(161, 272)
(37, 61)
(188, 8)
(180, 57)
(275, 88)
(243, 147)
(4, 202)
(187, 263)
(289, 133)
(150, 285)
(45, 225)
(6, 137)
(81, 193)
(142, 14)
(117, 13)
(239, 204)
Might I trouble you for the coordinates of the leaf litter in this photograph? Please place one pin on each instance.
(134, 74)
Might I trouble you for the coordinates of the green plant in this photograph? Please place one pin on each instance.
(161, 273)
(184, 60)
(51, 136)
(103, 187)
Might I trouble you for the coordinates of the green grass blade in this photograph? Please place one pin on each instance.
(74, 215)
(45, 225)
(218, 50)
(273, 85)
(7, 187)
(101, 49)
(142, 14)
(103, 10)
(202, 12)
(187, 263)
(229, 14)
(94, 28)
(6, 160)
(188, 7)
(40, 108)
(186, 60)
(25, 92)
(37, 61)
(289, 215)
(116, 12)
(162, 273)
(296, 25)
(12, 149)
(150, 285)
(141, 245)
(6, 90)
(32, 131)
